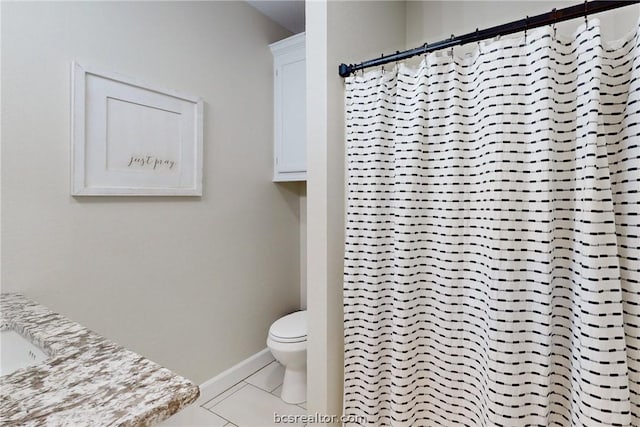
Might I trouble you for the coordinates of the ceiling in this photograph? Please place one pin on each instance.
(288, 13)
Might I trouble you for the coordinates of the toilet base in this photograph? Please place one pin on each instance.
(294, 386)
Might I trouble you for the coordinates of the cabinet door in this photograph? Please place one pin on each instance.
(292, 151)
(290, 120)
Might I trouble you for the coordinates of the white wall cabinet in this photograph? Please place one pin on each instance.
(290, 119)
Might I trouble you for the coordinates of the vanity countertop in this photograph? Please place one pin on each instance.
(87, 380)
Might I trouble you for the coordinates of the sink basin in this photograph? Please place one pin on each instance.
(17, 352)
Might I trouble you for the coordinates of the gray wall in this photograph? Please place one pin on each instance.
(192, 283)
(431, 21)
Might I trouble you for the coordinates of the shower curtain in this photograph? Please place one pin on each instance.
(492, 260)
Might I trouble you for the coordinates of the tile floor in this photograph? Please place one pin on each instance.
(250, 403)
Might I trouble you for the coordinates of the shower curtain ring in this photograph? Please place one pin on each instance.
(451, 50)
(555, 21)
(526, 27)
(586, 22)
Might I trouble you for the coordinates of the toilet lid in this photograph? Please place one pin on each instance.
(290, 328)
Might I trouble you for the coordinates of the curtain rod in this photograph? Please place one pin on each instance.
(549, 18)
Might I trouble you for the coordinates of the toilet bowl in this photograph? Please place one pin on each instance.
(287, 341)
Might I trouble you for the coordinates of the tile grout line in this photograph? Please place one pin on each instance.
(218, 415)
(241, 385)
(268, 391)
(241, 381)
(274, 389)
(257, 370)
(220, 394)
(265, 390)
(299, 405)
(259, 396)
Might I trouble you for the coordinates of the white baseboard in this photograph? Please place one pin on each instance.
(221, 382)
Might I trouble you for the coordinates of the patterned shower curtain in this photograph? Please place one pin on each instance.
(492, 261)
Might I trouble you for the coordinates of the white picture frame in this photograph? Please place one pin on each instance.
(132, 139)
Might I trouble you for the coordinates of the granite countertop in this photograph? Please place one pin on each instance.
(87, 380)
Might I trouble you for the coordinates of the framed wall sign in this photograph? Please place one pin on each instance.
(132, 139)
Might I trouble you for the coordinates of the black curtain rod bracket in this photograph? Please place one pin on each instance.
(530, 22)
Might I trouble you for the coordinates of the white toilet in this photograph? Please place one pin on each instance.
(288, 343)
